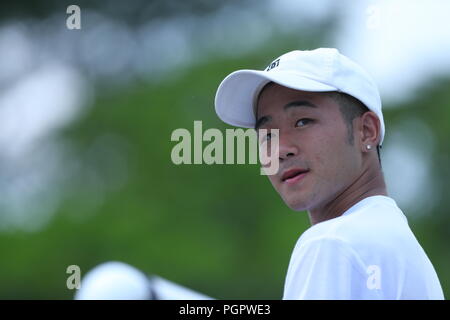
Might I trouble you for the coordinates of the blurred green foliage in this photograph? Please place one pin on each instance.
(218, 229)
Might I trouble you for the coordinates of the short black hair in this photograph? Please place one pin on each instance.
(350, 108)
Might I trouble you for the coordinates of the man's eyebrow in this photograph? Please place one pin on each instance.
(299, 103)
(261, 121)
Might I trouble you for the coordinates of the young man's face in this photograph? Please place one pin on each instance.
(314, 137)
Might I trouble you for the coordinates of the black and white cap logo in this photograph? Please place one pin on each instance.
(273, 65)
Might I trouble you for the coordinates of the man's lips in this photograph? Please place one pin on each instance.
(293, 175)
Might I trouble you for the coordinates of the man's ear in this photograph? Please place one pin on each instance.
(370, 130)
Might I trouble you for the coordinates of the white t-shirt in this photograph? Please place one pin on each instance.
(369, 252)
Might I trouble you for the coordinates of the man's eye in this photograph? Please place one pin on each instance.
(302, 122)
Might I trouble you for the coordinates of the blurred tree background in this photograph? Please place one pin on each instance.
(100, 185)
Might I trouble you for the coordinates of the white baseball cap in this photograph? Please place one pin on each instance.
(322, 69)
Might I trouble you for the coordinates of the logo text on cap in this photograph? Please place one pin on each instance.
(273, 65)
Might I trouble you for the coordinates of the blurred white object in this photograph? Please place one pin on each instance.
(165, 290)
(120, 281)
(114, 281)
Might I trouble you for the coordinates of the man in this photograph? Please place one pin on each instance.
(328, 113)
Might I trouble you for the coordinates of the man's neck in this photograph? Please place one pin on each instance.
(369, 183)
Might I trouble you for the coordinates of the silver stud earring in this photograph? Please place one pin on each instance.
(369, 147)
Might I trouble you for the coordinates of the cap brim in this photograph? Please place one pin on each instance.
(237, 93)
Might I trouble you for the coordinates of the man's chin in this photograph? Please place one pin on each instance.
(296, 204)
(297, 200)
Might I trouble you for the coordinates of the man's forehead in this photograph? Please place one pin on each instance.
(273, 89)
(273, 93)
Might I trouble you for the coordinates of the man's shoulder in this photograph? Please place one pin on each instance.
(376, 228)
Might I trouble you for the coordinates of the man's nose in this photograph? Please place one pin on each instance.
(287, 148)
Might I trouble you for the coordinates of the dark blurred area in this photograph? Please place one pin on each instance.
(133, 13)
(86, 118)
